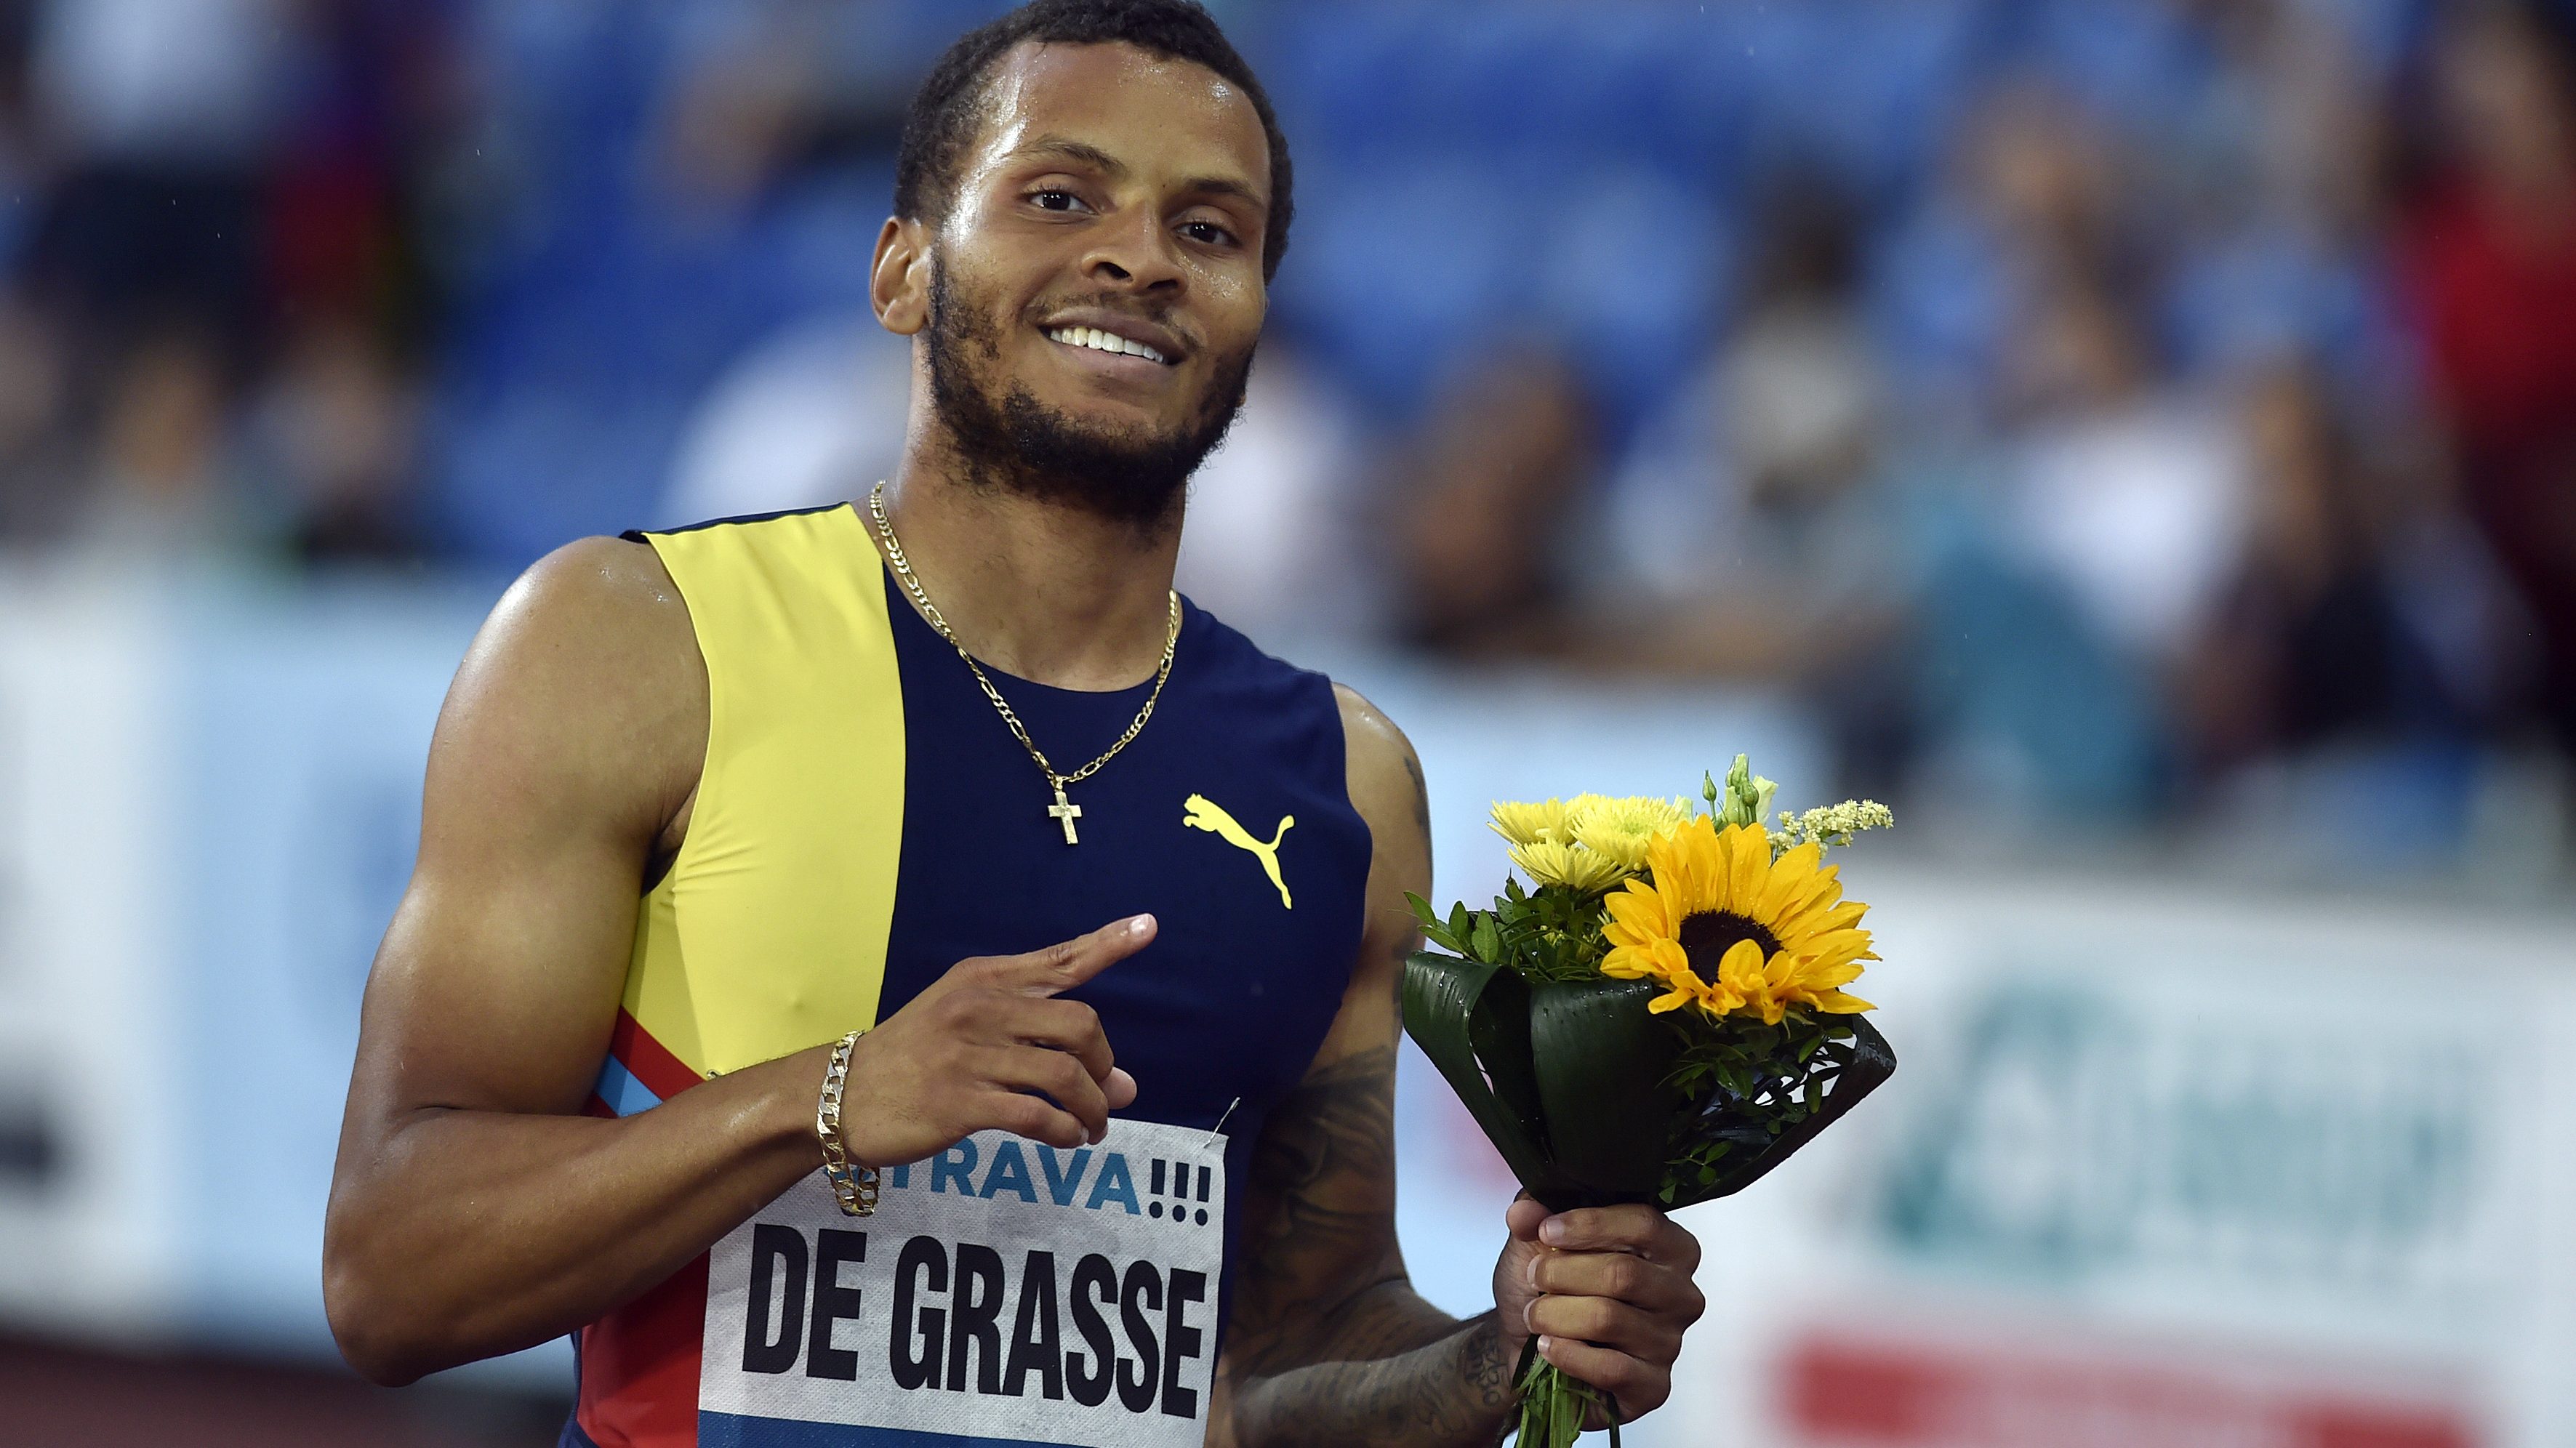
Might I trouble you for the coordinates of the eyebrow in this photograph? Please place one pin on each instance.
(1111, 166)
(1089, 155)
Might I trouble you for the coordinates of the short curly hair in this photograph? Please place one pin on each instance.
(941, 123)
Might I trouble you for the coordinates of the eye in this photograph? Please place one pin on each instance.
(1207, 233)
(1053, 199)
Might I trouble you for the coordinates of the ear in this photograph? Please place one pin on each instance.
(899, 282)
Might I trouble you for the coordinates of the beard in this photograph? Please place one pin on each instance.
(1010, 441)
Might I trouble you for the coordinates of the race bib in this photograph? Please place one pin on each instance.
(1003, 1292)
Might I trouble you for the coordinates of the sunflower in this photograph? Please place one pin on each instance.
(1550, 862)
(1726, 927)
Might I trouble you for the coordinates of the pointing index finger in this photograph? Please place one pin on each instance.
(1060, 968)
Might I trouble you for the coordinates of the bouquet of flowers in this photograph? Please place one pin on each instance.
(1659, 1017)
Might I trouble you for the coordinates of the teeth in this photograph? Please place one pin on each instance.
(1100, 341)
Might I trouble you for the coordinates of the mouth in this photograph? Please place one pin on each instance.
(1118, 339)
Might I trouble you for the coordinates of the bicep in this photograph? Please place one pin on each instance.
(554, 766)
(495, 987)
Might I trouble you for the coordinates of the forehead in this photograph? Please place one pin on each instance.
(1151, 112)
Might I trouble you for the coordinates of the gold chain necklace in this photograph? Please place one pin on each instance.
(1064, 811)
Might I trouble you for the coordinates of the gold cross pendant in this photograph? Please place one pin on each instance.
(1065, 812)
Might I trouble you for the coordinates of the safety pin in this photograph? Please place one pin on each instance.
(1219, 1128)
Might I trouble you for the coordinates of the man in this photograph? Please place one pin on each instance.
(880, 765)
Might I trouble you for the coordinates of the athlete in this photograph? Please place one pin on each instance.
(899, 974)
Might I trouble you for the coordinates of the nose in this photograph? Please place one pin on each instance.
(1134, 251)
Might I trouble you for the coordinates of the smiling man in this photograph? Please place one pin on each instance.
(751, 1015)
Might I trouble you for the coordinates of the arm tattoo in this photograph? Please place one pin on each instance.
(1331, 1344)
(1452, 1393)
(1486, 1371)
(1421, 796)
(1325, 1171)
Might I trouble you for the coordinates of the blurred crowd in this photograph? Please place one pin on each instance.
(2119, 407)
(219, 307)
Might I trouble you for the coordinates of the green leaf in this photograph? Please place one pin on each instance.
(1433, 929)
(1601, 1058)
(1472, 1019)
(1767, 1114)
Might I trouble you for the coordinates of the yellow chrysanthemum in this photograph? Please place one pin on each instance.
(1621, 828)
(1550, 862)
(1729, 929)
(1530, 823)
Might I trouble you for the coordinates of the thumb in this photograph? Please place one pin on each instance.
(1063, 966)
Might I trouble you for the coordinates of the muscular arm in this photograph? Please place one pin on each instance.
(473, 1210)
(1329, 1342)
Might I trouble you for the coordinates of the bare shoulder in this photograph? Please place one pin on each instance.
(587, 671)
(1387, 785)
(602, 600)
(1376, 750)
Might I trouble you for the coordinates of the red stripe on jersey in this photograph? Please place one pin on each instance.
(639, 1366)
(639, 1363)
(662, 1073)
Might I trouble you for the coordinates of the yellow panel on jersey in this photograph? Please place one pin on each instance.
(734, 962)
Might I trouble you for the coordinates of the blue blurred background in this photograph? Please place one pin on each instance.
(2136, 438)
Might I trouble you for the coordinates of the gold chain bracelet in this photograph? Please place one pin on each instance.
(855, 1186)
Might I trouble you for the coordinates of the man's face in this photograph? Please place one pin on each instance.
(1097, 288)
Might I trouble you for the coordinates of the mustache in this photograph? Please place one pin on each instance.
(1010, 441)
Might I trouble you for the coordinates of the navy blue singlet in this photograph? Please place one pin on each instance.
(1004, 1283)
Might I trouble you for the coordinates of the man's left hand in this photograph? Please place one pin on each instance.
(1607, 1291)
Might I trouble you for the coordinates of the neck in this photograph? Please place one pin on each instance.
(1036, 589)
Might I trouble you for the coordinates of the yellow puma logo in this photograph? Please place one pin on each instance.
(1205, 814)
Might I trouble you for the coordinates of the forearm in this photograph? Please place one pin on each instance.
(469, 1233)
(1435, 1382)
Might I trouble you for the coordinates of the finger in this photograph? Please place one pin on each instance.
(1523, 1216)
(1030, 1116)
(1067, 964)
(1120, 1088)
(1061, 1077)
(1608, 1323)
(1639, 1229)
(1622, 1276)
(1067, 1026)
(1638, 1387)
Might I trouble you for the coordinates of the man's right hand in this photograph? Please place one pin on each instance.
(976, 1048)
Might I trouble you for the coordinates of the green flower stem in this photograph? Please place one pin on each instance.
(1554, 1404)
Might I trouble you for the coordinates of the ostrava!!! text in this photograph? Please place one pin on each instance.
(947, 1320)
